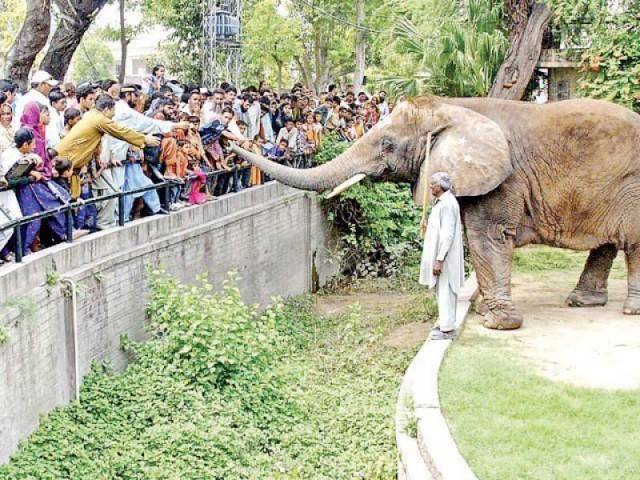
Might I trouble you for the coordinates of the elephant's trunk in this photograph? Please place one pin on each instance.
(323, 177)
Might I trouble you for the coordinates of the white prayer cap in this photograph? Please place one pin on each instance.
(442, 179)
(41, 77)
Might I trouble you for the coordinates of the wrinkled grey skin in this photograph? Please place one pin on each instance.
(565, 174)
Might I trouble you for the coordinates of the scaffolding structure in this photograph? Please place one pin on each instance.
(222, 42)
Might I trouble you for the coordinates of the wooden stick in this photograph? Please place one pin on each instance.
(425, 195)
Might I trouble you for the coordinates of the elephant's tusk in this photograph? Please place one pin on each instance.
(345, 185)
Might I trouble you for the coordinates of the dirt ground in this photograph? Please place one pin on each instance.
(388, 304)
(590, 347)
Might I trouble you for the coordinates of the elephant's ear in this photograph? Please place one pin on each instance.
(472, 149)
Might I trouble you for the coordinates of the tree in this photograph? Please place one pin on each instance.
(76, 16)
(271, 39)
(361, 45)
(526, 22)
(125, 31)
(29, 41)
(184, 47)
(92, 60)
(12, 13)
(437, 47)
(611, 66)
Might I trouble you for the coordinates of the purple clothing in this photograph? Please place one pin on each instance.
(39, 197)
(31, 119)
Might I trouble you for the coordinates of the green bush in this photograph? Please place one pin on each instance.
(377, 223)
(222, 392)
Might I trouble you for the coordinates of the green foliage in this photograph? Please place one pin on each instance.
(222, 392)
(12, 13)
(271, 42)
(453, 51)
(4, 336)
(184, 47)
(92, 59)
(377, 223)
(612, 63)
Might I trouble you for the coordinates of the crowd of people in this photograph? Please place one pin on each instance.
(63, 143)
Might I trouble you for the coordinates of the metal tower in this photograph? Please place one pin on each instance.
(222, 43)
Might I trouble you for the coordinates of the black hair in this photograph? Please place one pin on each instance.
(227, 110)
(42, 107)
(163, 102)
(105, 102)
(84, 91)
(107, 84)
(23, 136)
(224, 85)
(252, 88)
(242, 122)
(218, 91)
(165, 89)
(56, 96)
(156, 68)
(3, 97)
(70, 114)
(8, 86)
(184, 98)
(229, 88)
(247, 97)
(289, 119)
(62, 165)
(332, 87)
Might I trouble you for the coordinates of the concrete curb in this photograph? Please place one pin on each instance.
(426, 449)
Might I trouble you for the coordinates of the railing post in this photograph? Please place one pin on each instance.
(121, 210)
(235, 179)
(17, 232)
(167, 196)
(69, 218)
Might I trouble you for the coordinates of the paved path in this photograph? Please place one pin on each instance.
(591, 347)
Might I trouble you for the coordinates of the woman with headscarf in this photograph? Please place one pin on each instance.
(42, 194)
(9, 207)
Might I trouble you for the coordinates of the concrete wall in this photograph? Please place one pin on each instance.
(270, 235)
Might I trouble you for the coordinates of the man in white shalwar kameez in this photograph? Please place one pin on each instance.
(131, 176)
(442, 264)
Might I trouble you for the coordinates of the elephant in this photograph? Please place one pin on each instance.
(564, 174)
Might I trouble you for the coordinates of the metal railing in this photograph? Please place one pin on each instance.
(68, 208)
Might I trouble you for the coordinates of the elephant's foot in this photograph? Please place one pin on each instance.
(631, 306)
(503, 319)
(481, 307)
(586, 298)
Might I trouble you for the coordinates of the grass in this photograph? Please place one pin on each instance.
(512, 424)
(538, 260)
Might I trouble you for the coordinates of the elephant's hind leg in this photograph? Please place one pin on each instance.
(632, 303)
(591, 290)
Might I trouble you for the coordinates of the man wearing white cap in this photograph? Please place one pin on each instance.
(41, 85)
(442, 264)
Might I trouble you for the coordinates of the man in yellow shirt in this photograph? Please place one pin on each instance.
(80, 145)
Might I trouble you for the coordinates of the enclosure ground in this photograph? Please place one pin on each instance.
(555, 399)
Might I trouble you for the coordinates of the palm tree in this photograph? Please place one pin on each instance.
(459, 57)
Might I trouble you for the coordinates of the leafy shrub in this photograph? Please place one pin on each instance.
(221, 392)
(377, 223)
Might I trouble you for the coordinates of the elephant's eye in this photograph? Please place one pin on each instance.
(387, 145)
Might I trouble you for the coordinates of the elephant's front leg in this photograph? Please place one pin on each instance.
(632, 303)
(491, 253)
(591, 290)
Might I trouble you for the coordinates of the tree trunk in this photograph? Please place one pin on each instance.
(361, 46)
(527, 28)
(76, 17)
(30, 40)
(304, 71)
(279, 64)
(124, 44)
